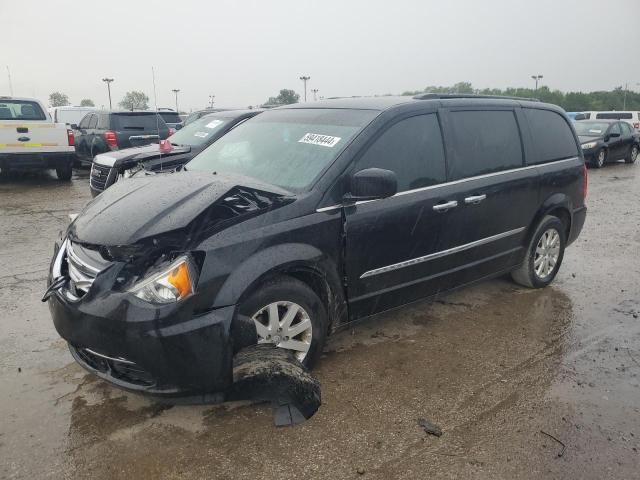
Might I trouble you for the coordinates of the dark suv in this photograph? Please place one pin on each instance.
(100, 132)
(306, 218)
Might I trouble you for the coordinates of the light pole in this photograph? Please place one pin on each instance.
(10, 85)
(315, 94)
(176, 90)
(211, 97)
(108, 82)
(536, 78)
(305, 79)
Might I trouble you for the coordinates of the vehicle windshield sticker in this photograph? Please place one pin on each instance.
(201, 134)
(595, 131)
(213, 123)
(317, 139)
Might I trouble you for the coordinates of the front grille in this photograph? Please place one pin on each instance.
(101, 177)
(120, 368)
(83, 266)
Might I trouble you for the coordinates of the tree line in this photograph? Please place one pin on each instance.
(616, 99)
(133, 100)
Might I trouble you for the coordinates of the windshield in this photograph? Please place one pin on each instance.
(199, 132)
(288, 148)
(21, 110)
(593, 129)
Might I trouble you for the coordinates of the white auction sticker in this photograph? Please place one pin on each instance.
(317, 139)
(213, 123)
(201, 134)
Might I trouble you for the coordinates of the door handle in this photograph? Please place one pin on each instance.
(443, 207)
(474, 199)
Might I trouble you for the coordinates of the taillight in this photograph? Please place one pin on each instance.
(636, 125)
(111, 139)
(71, 137)
(171, 131)
(586, 182)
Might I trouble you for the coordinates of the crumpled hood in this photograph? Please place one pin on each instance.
(137, 154)
(141, 208)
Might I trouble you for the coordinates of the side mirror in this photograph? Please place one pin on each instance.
(373, 183)
(74, 126)
(178, 126)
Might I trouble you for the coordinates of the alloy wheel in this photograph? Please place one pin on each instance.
(286, 325)
(601, 158)
(547, 253)
(634, 154)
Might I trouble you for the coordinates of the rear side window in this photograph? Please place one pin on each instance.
(484, 142)
(140, 122)
(614, 116)
(626, 128)
(170, 117)
(93, 122)
(412, 148)
(552, 136)
(103, 121)
(20, 110)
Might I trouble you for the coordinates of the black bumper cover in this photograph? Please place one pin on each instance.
(162, 350)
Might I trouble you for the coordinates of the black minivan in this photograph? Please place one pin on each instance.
(306, 218)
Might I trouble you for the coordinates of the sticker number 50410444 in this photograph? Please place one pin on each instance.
(317, 139)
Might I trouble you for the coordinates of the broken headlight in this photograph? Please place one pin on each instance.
(169, 285)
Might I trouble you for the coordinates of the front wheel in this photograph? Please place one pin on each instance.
(601, 158)
(64, 172)
(633, 155)
(289, 315)
(544, 254)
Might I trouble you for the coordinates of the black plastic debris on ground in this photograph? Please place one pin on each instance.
(429, 427)
(270, 374)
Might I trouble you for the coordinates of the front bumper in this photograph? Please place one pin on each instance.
(160, 350)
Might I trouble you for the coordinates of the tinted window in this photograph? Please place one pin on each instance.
(103, 121)
(484, 142)
(626, 129)
(138, 121)
(20, 110)
(615, 128)
(170, 117)
(552, 136)
(93, 122)
(615, 115)
(412, 148)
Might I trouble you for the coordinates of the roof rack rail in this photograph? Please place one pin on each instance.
(434, 96)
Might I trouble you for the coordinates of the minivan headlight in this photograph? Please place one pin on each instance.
(586, 146)
(170, 285)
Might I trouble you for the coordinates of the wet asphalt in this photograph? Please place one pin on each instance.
(523, 383)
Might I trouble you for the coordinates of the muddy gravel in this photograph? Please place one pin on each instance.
(522, 383)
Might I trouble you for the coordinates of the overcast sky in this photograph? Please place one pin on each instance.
(244, 51)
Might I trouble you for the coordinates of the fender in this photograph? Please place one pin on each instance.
(279, 259)
(554, 202)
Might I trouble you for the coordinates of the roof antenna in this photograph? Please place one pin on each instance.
(155, 102)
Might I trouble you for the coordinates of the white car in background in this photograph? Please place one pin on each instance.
(69, 115)
(632, 118)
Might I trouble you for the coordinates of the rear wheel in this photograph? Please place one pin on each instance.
(289, 315)
(600, 158)
(64, 172)
(633, 154)
(544, 254)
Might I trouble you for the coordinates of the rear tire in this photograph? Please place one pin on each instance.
(544, 254)
(279, 295)
(64, 172)
(600, 159)
(633, 155)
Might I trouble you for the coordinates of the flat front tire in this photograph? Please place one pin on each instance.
(290, 315)
(544, 254)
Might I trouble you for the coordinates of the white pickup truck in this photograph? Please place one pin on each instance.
(30, 139)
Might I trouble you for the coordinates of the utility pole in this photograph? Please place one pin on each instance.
(305, 79)
(10, 85)
(108, 82)
(211, 97)
(536, 78)
(624, 98)
(176, 90)
(315, 94)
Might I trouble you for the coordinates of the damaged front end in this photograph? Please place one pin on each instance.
(132, 313)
